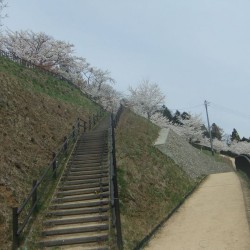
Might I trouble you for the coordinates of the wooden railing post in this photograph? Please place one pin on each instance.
(34, 195)
(54, 164)
(15, 239)
(65, 144)
(74, 133)
(89, 122)
(85, 126)
(78, 126)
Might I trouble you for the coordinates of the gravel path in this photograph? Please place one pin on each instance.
(191, 160)
(213, 218)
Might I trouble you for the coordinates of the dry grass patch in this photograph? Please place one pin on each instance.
(150, 183)
(36, 112)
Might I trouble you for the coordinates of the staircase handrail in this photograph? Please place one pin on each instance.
(114, 193)
(32, 197)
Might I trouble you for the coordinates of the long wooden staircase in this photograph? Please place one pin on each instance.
(79, 215)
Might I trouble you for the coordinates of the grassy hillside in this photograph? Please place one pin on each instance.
(151, 184)
(36, 112)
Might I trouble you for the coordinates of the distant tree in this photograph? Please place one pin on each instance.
(167, 113)
(73, 69)
(41, 49)
(240, 147)
(245, 139)
(227, 138)
(205, 131)
(191, 127)
(107, 96)
(58, 56)
(219, 145)
(160, 120)
(177, 117)
(101, 77)
(3, 5)
(55, 55)
(216, 132)
(185, 116)
(235, 136)
(146, 98)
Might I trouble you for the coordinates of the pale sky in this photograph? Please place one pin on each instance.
(194, 50)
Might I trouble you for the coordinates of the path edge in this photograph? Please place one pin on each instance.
(148, 237)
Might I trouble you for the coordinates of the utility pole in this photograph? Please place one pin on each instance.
(209, 129)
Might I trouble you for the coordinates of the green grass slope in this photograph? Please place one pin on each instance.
(36, 112)
(150, 183)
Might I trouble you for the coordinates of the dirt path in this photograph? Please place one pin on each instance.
(231, 159)
(212, 218)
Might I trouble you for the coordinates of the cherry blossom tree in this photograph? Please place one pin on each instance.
(190, 129)
(218, 145)
(98, 84)
(3, 5)
(106, 96)
(160, 120)
(97, 77)
(73, 71)
(241, 147)
(146, 98)
(58, 56)
(40, 48)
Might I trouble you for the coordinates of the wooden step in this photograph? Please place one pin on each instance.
(87, 181)
(72, 241)
(78, 211)
(82, 191)
(92, 138)
(84, 148)
(58, 222)
(75, 230)
(87, 153)
(89, 160)
(84, 177)
(79, 205)
(73, 169)
(86, 164)
(91, 145)
(84, 185)
(81, 197)
(86, 172)
(89, 156)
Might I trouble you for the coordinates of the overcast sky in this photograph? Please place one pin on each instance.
(194, 50)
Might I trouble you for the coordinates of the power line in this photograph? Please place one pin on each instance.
(192, 107)
(229, 110)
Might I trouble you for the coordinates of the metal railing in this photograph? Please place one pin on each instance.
(13, 57)
(116, 118)
(242, 162)
(114, 194)
(21, 215)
